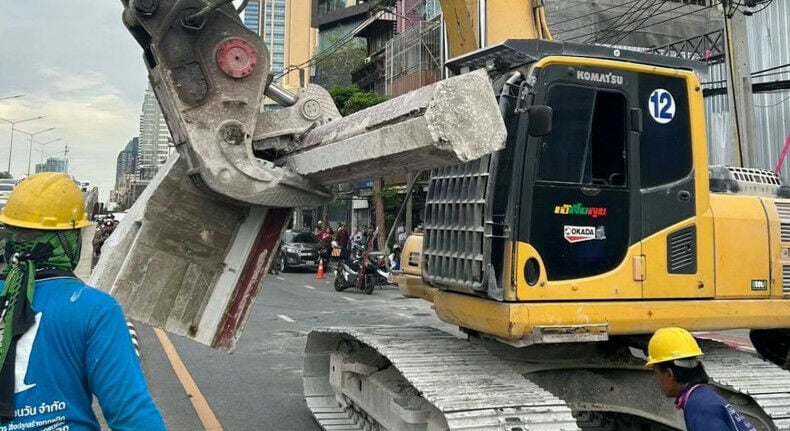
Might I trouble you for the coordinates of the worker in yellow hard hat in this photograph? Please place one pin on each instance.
(61, 341)
(676, 359)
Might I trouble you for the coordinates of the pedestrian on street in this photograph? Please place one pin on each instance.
(62, 341)
(675, 356)
(342, 236)
(401, 235)
(100, 237)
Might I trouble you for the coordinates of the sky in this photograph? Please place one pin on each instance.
(78, 66)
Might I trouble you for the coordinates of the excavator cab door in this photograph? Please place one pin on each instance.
(582, 206)
(671, 232)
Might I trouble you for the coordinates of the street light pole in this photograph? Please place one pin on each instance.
(11, 146)
(30, 146)
(41, 147)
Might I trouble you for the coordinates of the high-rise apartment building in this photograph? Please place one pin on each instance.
(274, 33)
(154, 148)
(285, 28)
(126, 163)
(252, 16)
(54, 164)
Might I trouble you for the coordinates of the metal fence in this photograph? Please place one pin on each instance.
(413, 59)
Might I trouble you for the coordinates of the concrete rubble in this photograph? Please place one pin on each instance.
(192, 264)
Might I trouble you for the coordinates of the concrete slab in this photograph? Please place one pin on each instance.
(453, 121)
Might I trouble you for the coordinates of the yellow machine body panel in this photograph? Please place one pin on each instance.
(409, 279)
(411, 255)
(743, 246)
(658, 283)
(518, 321)
(620, 283)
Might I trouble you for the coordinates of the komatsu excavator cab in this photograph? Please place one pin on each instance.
(602, 223)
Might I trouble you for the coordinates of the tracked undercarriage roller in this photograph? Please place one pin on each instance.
(424, 379)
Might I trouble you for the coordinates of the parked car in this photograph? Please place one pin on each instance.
(299, 250)
(5, 190)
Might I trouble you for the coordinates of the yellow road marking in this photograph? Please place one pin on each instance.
(206, 416)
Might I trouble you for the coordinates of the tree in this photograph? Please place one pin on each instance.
(5, 175)
(350, 99)
(334, 65)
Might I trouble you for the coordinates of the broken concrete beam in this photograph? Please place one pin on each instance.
(188, 263)
(450, 122)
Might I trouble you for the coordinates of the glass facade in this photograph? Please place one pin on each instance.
(274, 33)
(154, 146)
(54, 164)
(126, 163)
(326, 6)
(252, 15)
(432, 9)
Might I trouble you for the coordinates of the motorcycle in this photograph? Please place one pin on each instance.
(372, 268)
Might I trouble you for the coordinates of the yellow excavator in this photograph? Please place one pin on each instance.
(599, 223)
(557, 254)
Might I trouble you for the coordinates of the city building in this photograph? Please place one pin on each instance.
(286, 31)
(252, 16)
(273, 32)
(54, 164)
(126, 163)
(154, 144)
(340, 49)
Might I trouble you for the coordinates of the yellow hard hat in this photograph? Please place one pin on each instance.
(668, 344)
(46, 201)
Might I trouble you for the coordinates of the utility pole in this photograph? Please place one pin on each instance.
(739, 86)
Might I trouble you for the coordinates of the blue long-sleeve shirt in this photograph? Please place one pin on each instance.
(78, 347)
(705, 410)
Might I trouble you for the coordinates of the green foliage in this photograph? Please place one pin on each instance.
(350, 99)
(392, 203)
(341, 95)
(5, 175)
(360, 101)
(335, 67)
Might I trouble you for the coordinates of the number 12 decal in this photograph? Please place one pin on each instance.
(662, 106)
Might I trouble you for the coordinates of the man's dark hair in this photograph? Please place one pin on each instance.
(686, 375)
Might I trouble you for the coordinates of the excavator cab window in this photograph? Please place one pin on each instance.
(588, 139)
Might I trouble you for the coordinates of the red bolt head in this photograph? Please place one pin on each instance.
(237, 57)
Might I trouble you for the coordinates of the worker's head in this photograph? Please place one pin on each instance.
(674, 355)
(43, 217)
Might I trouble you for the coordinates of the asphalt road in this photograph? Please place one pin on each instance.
(259, 385)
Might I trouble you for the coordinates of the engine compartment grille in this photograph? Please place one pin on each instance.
(454, 238)
(682, 251)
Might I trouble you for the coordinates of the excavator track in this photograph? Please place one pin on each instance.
(421, 378)
(470, 388)
(767, 384)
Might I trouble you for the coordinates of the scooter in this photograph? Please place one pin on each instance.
(374, 273)
(372, 267)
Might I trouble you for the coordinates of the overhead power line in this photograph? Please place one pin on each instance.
(554, 24)
(650, 14)
(622, 19)
(648, 25)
